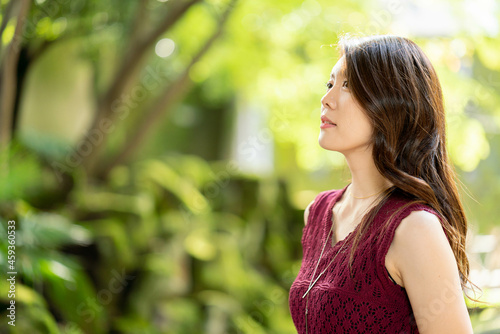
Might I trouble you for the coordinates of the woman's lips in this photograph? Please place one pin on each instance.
(326, 123)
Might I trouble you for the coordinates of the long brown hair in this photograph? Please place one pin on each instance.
(397, 86)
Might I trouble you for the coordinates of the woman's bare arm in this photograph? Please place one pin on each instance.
(425, 262)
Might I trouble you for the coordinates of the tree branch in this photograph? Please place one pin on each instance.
(141, 16)
(172, 17)
(9, 79)
(132, 63)
(164, 103)
(6, 17)
(127, 73)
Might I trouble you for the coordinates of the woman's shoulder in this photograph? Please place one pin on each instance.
(415, 223)
(418, 225)
(419, 240)
(402, 216)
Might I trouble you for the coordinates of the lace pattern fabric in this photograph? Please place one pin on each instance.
(367, 302)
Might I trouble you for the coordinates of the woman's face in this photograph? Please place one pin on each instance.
(351, 130)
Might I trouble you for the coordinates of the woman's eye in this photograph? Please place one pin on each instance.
(344, 84)
(328, 85)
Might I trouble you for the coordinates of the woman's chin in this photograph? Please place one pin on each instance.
(326, 146)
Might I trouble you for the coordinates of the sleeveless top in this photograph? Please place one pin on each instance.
(366, 302)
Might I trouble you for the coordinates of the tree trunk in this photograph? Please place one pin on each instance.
(8, 81)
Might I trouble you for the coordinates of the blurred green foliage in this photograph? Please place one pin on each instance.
(178, 238)
(203, 253)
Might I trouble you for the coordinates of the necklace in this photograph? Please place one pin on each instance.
(313, 281)
(370, 195)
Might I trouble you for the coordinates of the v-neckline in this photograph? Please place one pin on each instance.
(330, 223)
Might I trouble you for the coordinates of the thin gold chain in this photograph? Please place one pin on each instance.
(381, 191)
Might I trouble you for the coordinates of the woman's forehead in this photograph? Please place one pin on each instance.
(339, 68)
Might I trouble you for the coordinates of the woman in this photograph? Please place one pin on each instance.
(386, 254)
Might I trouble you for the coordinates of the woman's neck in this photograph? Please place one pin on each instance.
(366, 179)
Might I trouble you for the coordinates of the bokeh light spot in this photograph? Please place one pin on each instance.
(165, 47)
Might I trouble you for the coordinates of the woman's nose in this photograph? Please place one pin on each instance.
(328, 100)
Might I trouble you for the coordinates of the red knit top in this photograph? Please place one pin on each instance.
(370, 302)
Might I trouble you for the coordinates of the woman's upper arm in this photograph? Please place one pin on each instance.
(427, 266)
(306, 212)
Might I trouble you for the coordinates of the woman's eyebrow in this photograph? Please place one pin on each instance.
(342, 74)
